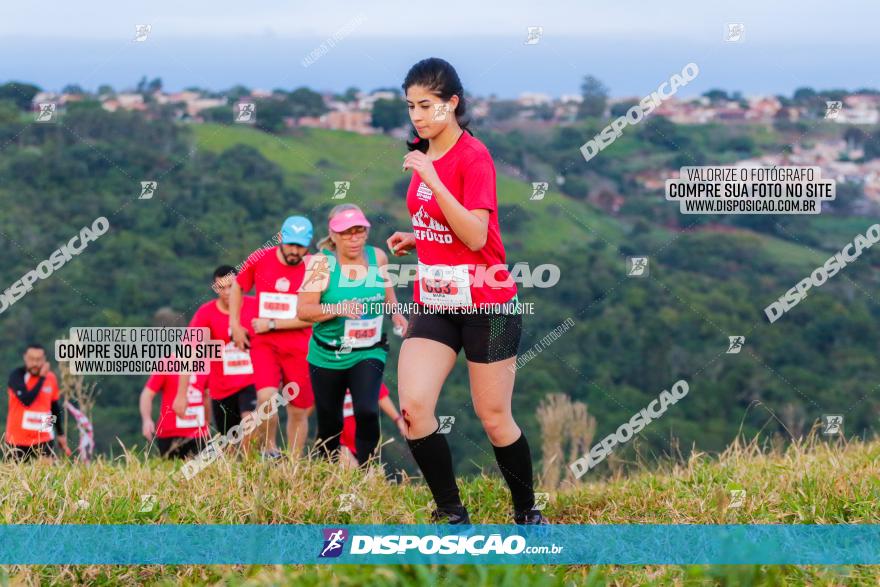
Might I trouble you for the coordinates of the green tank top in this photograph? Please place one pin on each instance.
(345, 334)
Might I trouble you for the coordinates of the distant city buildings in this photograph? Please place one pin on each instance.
(541, 108)
(533, 112)
(351, 120)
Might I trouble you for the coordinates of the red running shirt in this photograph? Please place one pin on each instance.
(468, 173)
(276, 284)
(235, 370)
(170, 425)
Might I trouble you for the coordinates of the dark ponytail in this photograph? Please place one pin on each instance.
(441, 79)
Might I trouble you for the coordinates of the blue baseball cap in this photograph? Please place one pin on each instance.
(296, 230)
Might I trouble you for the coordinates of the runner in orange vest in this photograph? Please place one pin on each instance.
(34, 414)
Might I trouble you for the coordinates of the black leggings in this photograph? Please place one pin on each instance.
(363, 380)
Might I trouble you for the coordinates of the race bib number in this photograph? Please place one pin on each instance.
(363, 333)
(38, 422)
(444, 285)
(236, 362)
(277, 305)
(193, 418)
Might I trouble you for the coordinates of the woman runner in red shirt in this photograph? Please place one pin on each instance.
(453, 207)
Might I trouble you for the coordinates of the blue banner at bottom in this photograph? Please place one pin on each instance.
(428, 544)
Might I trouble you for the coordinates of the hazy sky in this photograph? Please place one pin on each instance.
(631, 46)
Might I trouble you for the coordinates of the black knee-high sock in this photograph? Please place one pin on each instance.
(434, 458)
(515, 462)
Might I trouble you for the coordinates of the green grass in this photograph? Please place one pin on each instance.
(829, 233)
(314, 158)
(792, 254)
(809, 482)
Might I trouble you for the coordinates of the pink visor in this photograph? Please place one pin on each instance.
(346, 219)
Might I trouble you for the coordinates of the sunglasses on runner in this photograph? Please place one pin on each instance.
(354, 231)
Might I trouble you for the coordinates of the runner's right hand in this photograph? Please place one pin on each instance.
(401, 243)
(179, 404)
(148, 429)
(350, 309)
(240, 337)
(62, 442)
(401, 426)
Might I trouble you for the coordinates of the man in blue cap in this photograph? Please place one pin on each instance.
(279, 347)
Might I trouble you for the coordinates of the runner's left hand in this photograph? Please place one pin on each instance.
(260, 325)
(62, 442)
(399, 321)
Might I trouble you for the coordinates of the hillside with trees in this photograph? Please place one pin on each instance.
(223, 191)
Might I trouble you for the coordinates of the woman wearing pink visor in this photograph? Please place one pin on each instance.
(345, 295)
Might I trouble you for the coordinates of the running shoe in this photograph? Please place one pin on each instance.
(273, 454)
(530, 518)
(453, 516)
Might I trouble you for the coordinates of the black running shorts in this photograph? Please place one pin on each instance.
(228, 411)
(179, 448)
(486, 337)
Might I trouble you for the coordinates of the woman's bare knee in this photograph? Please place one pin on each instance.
(418, 416)
(422, 369)
(498, 424)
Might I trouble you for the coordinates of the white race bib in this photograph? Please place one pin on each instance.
(194, 395)
(194, 417)
(236, 362)
(277, 305)
(444, 285)
(38, 422)
(363, 333)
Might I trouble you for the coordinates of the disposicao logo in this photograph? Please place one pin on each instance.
(334, 541)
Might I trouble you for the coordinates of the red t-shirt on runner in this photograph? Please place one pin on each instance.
(468, 173)
(276, 284)
(170, 425)
(235, 370)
